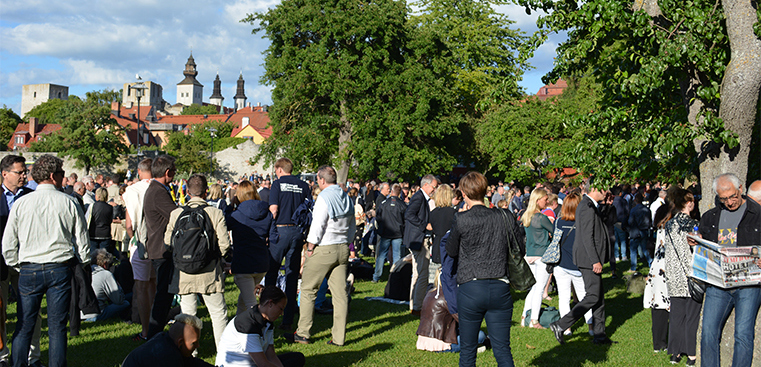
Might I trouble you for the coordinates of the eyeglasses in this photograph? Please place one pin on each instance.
(24, 172)
(732, 197)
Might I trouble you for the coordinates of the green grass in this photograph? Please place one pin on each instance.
(381, 334)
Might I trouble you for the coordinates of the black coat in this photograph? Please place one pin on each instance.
(592, 240)
(415, 221)
(4, 212)
(390, 217)
(748, 231)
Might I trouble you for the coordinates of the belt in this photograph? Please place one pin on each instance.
(285, 225)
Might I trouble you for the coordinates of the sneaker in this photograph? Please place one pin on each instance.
(690, 362)
(330, 342)
(138, 338)
(675, 359)
(296, 338)
(481, 349)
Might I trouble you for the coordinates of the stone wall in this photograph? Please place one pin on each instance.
(232, 162)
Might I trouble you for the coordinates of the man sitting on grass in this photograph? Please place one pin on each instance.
(173, 348)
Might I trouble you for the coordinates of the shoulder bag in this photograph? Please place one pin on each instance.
(695, 288)
(552, 254)
(519, 273)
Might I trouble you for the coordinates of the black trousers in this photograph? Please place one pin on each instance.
(594, 300)
(683, 324)
(660, 328)
(162, 303)
(292, 359)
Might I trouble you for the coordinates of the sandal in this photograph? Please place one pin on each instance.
(138, 337)
(536, 325)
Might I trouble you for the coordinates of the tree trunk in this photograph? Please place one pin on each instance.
(741, 85)
(344, 139)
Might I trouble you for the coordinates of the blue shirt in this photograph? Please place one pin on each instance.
(10, 197)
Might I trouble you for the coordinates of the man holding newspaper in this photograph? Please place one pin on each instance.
(735, 223)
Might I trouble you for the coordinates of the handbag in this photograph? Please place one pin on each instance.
(547, 315)
(695, 288)
(552, 254)
(520, 275)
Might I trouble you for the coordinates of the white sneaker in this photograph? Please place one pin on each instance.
(481, 349)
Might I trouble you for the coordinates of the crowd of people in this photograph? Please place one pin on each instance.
(149, 248)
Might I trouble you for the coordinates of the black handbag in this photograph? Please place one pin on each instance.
(696, 288)
(519, 273)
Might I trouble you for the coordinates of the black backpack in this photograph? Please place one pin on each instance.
(194, 241)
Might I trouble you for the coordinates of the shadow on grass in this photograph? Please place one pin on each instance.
(342, 358)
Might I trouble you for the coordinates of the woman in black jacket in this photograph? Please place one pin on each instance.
(441, 218)
(479, 242)
(100, 224)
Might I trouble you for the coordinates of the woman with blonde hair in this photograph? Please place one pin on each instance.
(441, 218)
(538, 236)
(250, 224)
(216, 197)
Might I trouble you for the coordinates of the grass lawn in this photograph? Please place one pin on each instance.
(381, 334)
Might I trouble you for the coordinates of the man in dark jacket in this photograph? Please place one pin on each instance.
(590, 250)
(157, 207)
(736, 222)
(640, 221)
(415, 225)
(390, 219)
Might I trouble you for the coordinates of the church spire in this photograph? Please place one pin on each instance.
(240, 95)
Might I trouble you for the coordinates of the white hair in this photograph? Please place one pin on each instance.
(731, 177)
(87, 179)
(754, 190)
(189, 320)
(427, 179)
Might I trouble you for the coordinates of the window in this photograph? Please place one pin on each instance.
(59, 95)
(20, 139)
(35, 94)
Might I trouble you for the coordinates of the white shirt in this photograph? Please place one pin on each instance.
(133, 202)
(654, 207)
(45, 226)
(325, 231)
(234, 347)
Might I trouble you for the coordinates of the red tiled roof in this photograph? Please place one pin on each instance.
(552, 90)
(24, 130)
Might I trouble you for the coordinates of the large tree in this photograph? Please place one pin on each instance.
(357, 86)
(88, 134)
(681, 84)
(8, 122)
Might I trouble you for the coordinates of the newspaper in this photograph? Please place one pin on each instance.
(725, 267)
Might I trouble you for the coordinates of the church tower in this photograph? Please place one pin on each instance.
(189, 90)
(240, 94)
(216, 95)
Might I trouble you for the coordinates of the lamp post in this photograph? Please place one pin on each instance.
(211, 156)
(139, 88)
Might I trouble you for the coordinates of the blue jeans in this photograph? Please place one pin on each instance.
(621, 237)
(641, 245)
(110, 311)
(455, 348)
(490, 299)
(288, 246)
(382, 253)
(717, 305)
(35, 281)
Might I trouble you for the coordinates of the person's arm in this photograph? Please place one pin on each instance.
(453, 242)
(547, 224)
(113, 291)
(81, 233)
(223, 237)
(320, 218)
(585, 233)
(412, 210)
(10, 239)
(274, 194)
(170, 228)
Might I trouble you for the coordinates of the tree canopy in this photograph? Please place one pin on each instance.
(362, 86)
(87, 133)
(193, 150)
(8, 122)
(197, 109)
(673, 103)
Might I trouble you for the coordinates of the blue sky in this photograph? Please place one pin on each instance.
(93, 44)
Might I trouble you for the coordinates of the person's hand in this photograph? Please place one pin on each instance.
(310, 249)
(597, 268)
(429, 227)
(692, 242)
